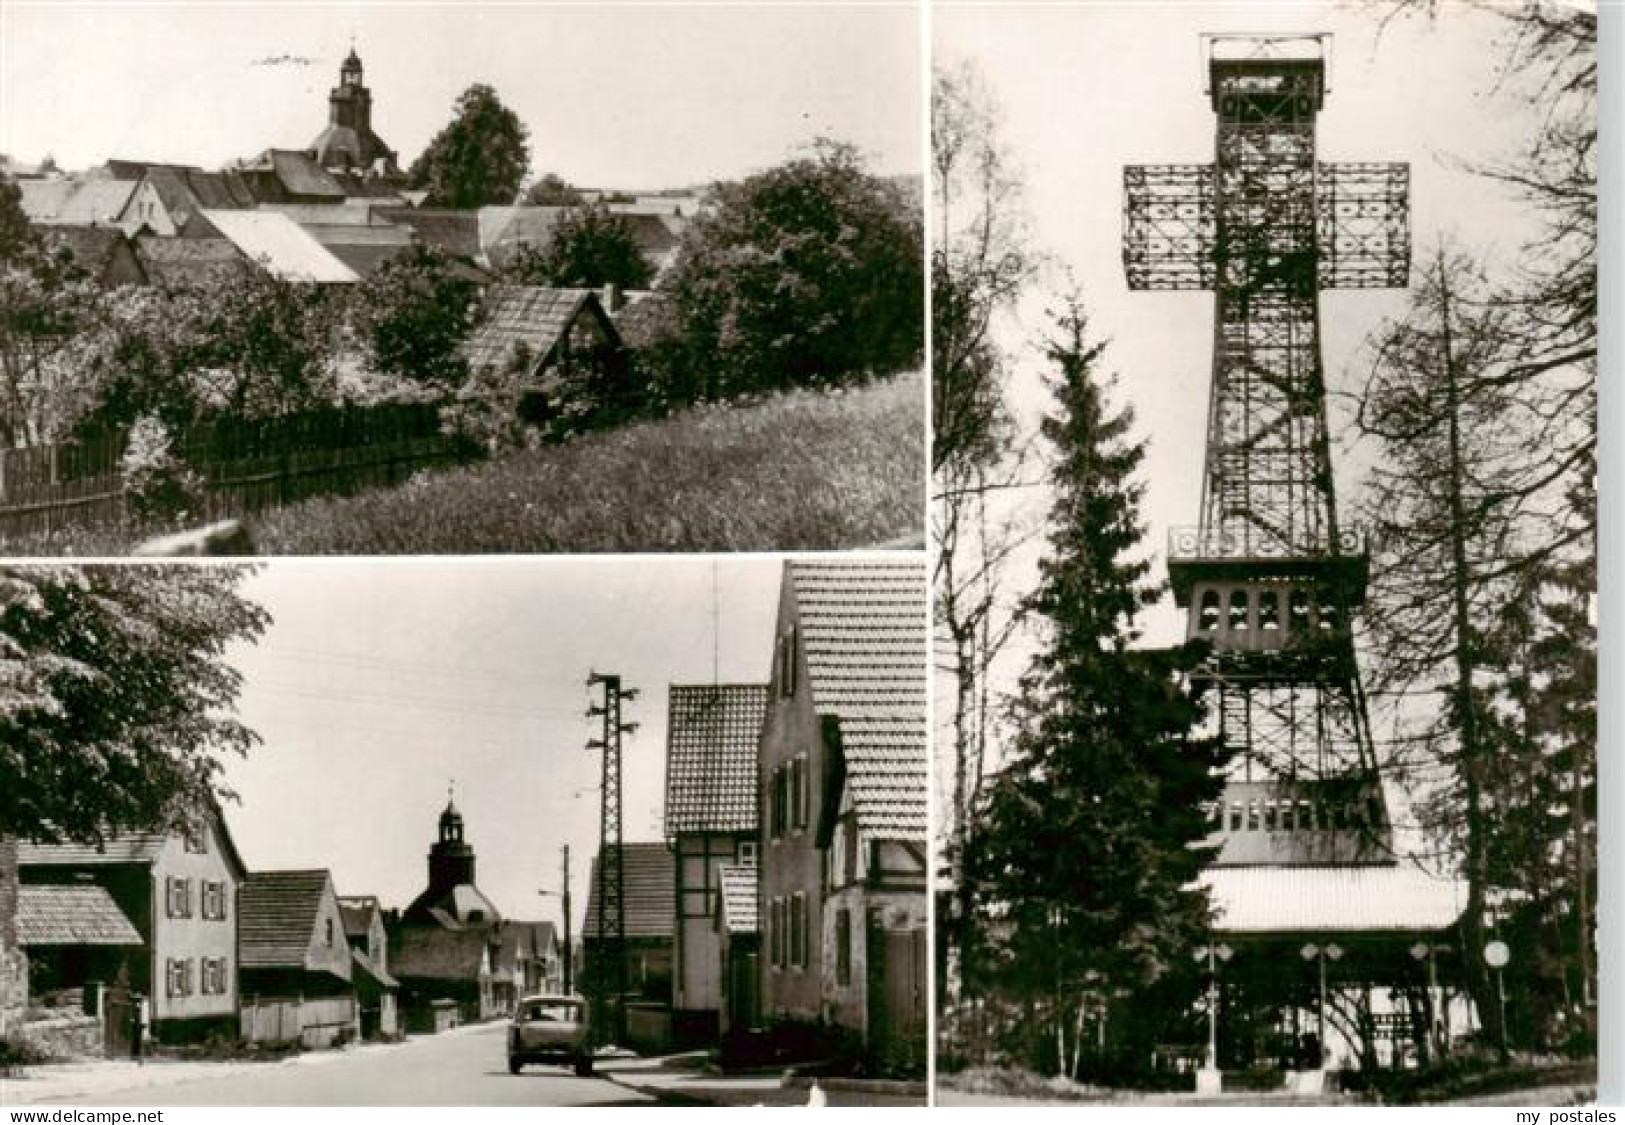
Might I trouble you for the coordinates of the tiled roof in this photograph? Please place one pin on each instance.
(649, 890)
(96, 201)
(711, 736)
(276, 917)
(278, 243)
(435, 953)
(43, 199)
(299, 174)
(366, 259)
(136, 847)
(72, 915)
(90, 246)
(863, 629)
(177, 261)
(504, 229)
(739, 901)
(532, 939)
(347, 213)
(1369, 898)
(533, 315)
(455, 232)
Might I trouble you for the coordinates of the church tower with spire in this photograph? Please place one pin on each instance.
(451, 899)
(348, 144)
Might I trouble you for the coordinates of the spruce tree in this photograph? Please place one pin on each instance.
(1086, 855)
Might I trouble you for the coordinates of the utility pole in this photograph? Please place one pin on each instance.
(609, 976)
(569, 949)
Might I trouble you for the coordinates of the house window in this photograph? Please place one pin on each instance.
(196, 842)
(843, 946)
(787, 663)
(1269, 610)
(1208, 618)
(798, 792)
(1326, 604)
(747, 851)
(177, 897)
(1298, 608)
(330, 932)
(798, 931)
(1238, 611)
(178, 976)
(775, 932)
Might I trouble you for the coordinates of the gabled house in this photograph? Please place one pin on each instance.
(280, 246)
(843, 800)
(711, 736)
(649, 906)
(76, 938)
(377, 992)
(294, 952)
(289, 176)
(179, 890)
(106, 254)
(525, 962)
(446, 976)
(556, 343)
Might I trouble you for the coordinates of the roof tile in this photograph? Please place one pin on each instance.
(711, 736)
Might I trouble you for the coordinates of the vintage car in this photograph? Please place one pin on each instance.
(550, 1029)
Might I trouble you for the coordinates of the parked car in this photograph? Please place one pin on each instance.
(550, 1029)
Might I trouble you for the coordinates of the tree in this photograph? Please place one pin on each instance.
(806, 274)
(980, 262)
(253, 346)
(1470, 507)
(415, 313)
(43, 296)
(552, 190)
(591, 247)
(115, 698)
(1086, 854)
(480, 158)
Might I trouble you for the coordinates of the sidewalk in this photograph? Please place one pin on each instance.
(107, 1078)
(688, 1085)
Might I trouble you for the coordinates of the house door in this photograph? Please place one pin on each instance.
(743, 1002)
(897, 994)
(118, 1017)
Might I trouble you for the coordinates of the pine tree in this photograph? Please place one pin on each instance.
(1085, 856)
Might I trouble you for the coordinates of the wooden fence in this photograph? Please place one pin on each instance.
(316, 1022)
(245, 466)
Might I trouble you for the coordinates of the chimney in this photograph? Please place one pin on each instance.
(611, 298)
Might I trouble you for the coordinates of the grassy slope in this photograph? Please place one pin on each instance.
(798, 472)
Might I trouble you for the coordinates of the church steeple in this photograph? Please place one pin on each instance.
(348, 144)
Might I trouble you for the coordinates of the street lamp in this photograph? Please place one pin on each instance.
(1321, 954)
(569, 950)
(1213, 953)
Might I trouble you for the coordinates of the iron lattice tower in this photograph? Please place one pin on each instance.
(611, 976)
(1269, 577)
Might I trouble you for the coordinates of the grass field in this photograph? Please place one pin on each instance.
(799, 471)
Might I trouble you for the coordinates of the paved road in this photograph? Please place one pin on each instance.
(466, 1067)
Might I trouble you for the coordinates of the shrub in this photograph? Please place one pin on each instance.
(157, 484)
(16, 1051)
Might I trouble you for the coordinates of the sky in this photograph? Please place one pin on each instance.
(625, 95)
(1086, 89)
(382, 683)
